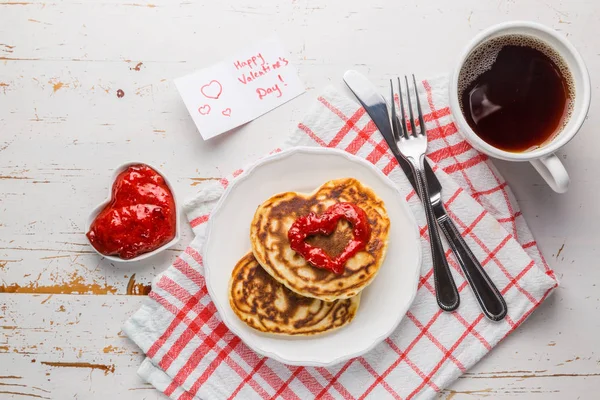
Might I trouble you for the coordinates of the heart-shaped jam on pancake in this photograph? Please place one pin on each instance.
(271, 245)
(140, 217)
(325, 224)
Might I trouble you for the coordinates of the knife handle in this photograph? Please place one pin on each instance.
(446, 293)
(491, 301)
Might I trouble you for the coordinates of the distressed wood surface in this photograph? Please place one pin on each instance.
(63, 129)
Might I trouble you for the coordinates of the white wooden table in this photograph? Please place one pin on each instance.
(63, 129)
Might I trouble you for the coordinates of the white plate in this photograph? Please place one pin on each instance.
(101, 206)
(383, 303)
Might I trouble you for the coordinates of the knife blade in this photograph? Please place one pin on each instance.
(489, 298)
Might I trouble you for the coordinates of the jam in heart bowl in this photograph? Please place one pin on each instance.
(159, 219)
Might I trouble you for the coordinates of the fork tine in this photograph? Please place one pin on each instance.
(421, 121)
(413, 128)
(404, 128)
(395, 126)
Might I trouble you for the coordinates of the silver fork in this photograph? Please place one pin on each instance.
(412, 146)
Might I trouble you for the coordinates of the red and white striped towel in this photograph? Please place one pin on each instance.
(191, 353)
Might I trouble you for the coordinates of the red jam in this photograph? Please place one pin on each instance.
(140, 217)
(325, 224)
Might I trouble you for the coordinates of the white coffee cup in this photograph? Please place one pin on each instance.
(543, 158)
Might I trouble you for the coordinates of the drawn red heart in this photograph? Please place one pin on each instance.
(212, 90)
(204, 110)
(226, 112)
(325, 224)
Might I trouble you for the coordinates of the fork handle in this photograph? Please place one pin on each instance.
(489, 298)
(446, 293)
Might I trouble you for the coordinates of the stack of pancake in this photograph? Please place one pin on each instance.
(274, 289)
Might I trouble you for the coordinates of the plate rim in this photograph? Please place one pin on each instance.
(276, 157)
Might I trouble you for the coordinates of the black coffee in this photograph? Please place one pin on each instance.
(516, 92)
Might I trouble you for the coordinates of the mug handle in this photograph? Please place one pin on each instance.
(553, 171)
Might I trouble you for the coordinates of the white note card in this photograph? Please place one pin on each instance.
(241, 88)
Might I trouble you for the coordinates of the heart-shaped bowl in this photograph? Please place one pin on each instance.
(383, 303)
(101, 206)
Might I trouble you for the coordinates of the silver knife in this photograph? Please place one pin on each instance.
(489, 298)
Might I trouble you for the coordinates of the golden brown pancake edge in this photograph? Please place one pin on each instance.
(267, 306)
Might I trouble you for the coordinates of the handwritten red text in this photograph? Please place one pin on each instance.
(252, 62)
(258, 67)
(262, 93)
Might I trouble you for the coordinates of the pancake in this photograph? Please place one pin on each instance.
(273, 218)
(268, 306)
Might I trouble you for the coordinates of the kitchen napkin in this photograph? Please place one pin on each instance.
(191, 354)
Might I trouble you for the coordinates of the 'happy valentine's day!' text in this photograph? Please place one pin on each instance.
(256, 67)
